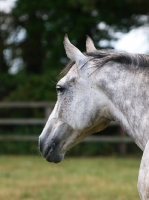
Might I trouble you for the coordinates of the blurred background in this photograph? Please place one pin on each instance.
(32, 56)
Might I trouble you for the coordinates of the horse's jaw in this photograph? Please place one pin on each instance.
(53, 149)
(58, 137)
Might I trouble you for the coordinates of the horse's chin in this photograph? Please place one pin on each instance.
(55, 157)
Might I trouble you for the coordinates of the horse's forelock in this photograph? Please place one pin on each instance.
(66, 69)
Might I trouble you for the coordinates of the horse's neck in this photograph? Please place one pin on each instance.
(128, 96)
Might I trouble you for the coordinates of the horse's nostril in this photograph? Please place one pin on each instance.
(51, 147)
(45, 149)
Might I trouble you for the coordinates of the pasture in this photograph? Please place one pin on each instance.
(32, 178)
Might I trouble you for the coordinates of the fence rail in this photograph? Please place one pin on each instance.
(22, 121)
(48, 107)
(29, 138)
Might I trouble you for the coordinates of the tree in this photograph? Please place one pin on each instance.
(5, 29)
(46, 22)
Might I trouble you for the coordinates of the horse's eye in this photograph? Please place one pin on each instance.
(59, 89)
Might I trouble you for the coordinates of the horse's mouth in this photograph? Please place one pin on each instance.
(54, 157)
(51, 152)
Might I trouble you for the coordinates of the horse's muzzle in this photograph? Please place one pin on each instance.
(50, 151)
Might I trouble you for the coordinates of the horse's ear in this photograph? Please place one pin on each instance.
(73, 53)
(89, 44)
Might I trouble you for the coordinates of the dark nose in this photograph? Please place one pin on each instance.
(46, 149)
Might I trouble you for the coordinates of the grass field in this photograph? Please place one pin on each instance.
(32, 178)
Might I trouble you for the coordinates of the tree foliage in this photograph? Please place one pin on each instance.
(5, 30)
(46, 22)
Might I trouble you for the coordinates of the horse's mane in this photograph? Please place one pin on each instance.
(101, 57)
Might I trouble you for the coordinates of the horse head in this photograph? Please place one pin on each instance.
(81, 108)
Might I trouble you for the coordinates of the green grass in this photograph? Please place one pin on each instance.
(32, 178)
